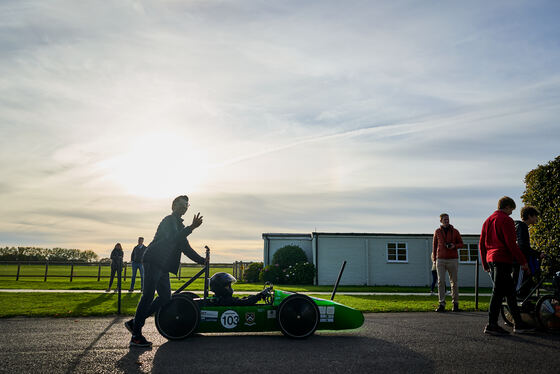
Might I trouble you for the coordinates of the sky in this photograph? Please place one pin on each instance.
(286, 116)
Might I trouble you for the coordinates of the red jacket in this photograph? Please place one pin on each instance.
(498, 240)
(439, 250)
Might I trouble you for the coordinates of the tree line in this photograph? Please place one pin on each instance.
(46, 254)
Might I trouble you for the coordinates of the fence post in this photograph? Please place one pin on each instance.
(18, 267)
(476, 285)
(71, 272)
(125, 271)
(119, 288)
(99, 272)
(46, 270)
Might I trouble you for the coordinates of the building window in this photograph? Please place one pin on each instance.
(397, 252)
(468, 254)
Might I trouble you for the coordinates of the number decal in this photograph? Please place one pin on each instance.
(229, 319)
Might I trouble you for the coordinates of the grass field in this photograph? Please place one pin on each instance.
(82, 304)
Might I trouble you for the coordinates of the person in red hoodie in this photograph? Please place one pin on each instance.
(446, 242)
(498, 248)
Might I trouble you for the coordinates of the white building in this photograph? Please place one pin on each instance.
(376, 258)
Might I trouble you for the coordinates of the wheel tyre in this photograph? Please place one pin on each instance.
(179, 318)
(298, 316)
(507, 316)
(548, 313)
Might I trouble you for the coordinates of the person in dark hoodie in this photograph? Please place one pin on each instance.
(136, 262)
(116, 264)
(523, 281)
(446, 242)
(163, 256)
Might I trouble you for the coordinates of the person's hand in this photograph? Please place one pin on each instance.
(486, 269)
(197, 221)
(526, 269)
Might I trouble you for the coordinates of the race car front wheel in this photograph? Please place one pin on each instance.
(179, 318)
(298, 316)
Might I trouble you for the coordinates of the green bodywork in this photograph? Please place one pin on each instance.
(262, 317)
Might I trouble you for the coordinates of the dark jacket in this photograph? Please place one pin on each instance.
(169, 241)
(523, 240)
(117, 258)
(138, 253)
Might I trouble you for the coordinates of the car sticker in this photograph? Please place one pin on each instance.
(270, 314)
(229, 319)
(327, 313)
(209, 315)
(250, 319)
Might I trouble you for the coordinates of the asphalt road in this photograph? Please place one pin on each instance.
(392, 342)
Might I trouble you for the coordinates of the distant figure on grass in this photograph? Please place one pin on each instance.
(523, 281)
(434, 275)
(116, 264)
(136, 261)
(497, 250)
(445, 244)
(163, 256)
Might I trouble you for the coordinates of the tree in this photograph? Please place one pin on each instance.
(543, 192)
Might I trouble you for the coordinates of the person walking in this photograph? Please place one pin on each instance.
(498, 248)
(116, 264)
(136, 262)
(447, 240)
(434, 276)
(162, 256)
(523, 281)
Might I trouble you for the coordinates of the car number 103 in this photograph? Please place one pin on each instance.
(229, 319)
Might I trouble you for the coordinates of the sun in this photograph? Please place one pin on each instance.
(157, 165)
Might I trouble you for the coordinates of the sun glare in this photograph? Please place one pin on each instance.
(157, 165)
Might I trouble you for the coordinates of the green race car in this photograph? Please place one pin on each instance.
(296, 315)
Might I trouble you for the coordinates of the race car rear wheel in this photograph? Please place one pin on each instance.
(298, 316)
(179, 318)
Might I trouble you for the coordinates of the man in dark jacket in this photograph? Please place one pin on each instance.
(136, 262)
(523, 281)
(116, 265)
(497, 250)
(163, 256)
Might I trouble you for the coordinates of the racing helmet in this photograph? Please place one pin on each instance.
(220, 284)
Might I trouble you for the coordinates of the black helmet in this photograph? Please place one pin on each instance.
(220, 284)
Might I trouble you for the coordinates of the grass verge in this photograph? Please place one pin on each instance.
(80, 305)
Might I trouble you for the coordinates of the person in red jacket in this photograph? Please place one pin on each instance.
(446, 242)
(498, 248)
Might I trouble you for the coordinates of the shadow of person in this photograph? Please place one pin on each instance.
(329, 352)
(130, 362)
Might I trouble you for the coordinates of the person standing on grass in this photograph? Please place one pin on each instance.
(116, 264)
(434, 275)
(136, 261)
(447, 240)
(498, 248)
(163, 256)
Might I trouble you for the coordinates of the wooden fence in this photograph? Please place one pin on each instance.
(99, 270)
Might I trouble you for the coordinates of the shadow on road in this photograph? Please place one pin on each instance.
(327, 352)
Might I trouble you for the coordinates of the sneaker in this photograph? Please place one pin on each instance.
(440, 308)
(432, 293)
(448, 292)
(131, 290)
(456, 308)
(130, 325)
(523, 328)
(108, 290)
(492, 329)
(139, 341)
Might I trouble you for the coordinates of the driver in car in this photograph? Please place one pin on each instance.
(220, 284)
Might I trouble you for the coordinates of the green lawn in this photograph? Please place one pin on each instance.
(87, 304)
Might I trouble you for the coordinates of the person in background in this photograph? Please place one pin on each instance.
(163, 256)
(524, 282)
(434, 275)
(136, 261)
(447, 240)
(498, 248)
(116, 264)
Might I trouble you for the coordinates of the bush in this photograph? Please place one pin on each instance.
(289, 256)
(251, 273)
(300, 273)
(543, 192)
(271, 273)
